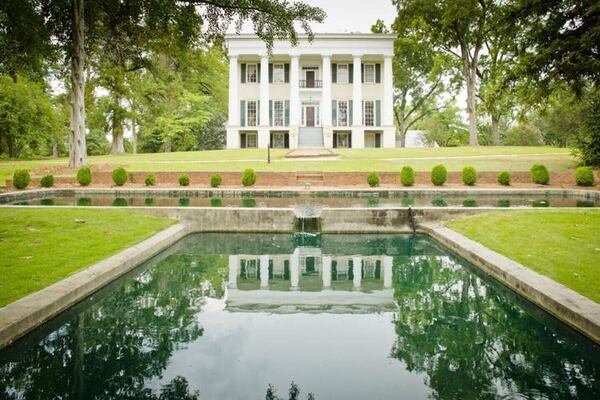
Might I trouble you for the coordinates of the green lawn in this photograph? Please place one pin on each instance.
(39, 247)
(561, 244)
(455, 158)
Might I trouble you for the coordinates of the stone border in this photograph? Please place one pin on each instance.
(570, 307)
(24, 315)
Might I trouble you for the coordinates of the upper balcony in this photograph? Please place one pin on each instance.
(310, 84)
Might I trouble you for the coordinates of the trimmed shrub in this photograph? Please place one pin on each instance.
(47, 181)
(21, 179)
(120, 202)
(119, 176)
(215, 180)
(584, 176)
(373, 179)
(184, 180)
(439, 175)
(84, 176)
(504, 178)
(216, 202)
(407, 176)
(150, 180)
(248, 177)
(540, 175)
(248, 202)
(184, 201)
(469, 176)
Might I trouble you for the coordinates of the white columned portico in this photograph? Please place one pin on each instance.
(232, 141)
(263, 132)
(326, 103)
(234, 262)
(389, 129)
(326, 260)
(357, 271)
(294, 100)
(388, 262)
(264, 272)
(358, 138)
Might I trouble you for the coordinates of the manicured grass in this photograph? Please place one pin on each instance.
(561, 244)
(39, 247)
(455, 158)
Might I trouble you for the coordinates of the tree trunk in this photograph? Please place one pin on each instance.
(470, 77)
(133, 137)
(117, 129)
(495, 130)
(54, 150)
(77, 147)
(167, 146)
(401, 126)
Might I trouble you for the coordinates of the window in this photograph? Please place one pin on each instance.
(342, 73)
(278, 73)
(251, 140)
(251, 113)
(342, 113)
(278, 113)
(369, 73)
(343, 140)
(251, 73)
(369, 113)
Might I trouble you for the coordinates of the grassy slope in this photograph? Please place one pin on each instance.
(40, 247)
(455, 158)
(561, 244)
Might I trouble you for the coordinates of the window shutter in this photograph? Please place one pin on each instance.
(334, 112)
(350, 73)
(286, 72)
(258, 121)
(258, 73)
(243, 140)
(287, 113)
(270, 72)
(362, 107)
(243, 69)
(271, 139)
(377, 112)
(350, 111)
(362, 72)
(377, 73)
(286, 141)
(242, 113)
(335, 138)
(270, 112)
(333, 73)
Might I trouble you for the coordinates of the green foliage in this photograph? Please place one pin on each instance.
(407, 176)
(47, 181)
(584, 176)
(444, 128)
(373, 179)
(248, 202)
(504, 178)
(150, 180)
(524, 135)
(84, 176)
(21, 179)
(469, 176)
(120, 176)
(248, 177)
(439, 175)
(560, 117)
(184, 180)
(215, 180)
(588, 143)
(540, 174)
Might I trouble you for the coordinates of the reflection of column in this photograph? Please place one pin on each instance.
(356, 269)
(388, 261)
(234, 262)
(264, 272)
(326, 271)
(295, 269)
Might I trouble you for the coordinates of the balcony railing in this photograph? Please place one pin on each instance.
(314, 84)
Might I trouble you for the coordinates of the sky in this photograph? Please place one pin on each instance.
(353, 15)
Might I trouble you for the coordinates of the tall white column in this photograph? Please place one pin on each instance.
(389, 131)
(326, 272)
(356, 270)
(357, 92)
(388, 262)
(326, 103)
(233, 119)
(234, 262)
(294, 100)
(295, 269)
(264, 271)
(263, 132)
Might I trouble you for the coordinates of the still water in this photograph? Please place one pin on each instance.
(224, 316)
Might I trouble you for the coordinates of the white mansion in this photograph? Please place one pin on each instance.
(335, 91)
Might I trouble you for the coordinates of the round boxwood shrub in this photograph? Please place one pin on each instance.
(21, 179)
(184, 180)
(504, 178)
(47, 181)
(407, 176)
(150, 180)
(439, 175)
(540, 175)
(469, 176)
(584, 176)
(215, 180)
(119, 176)
(373, 179)
(248, 177)
(84, 176)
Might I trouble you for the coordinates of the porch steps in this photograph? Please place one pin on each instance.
(312, 178)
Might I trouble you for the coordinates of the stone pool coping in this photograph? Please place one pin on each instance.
(24, 315)
(575, 310)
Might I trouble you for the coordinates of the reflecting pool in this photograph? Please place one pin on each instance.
(232, 316)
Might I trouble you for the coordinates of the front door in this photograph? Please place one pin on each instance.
(310, 79)
(310, 115)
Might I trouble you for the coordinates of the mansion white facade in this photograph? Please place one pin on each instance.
(333, 92)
